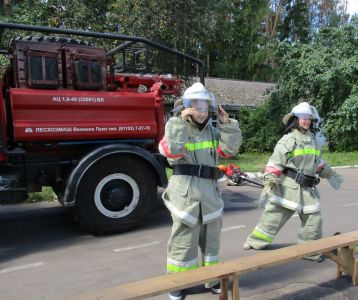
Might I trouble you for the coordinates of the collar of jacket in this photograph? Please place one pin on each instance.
(303, 136)
(197, 125)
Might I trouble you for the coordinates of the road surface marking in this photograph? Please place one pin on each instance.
(233, 228)
(295, 215)
(352, 204)
(23, 267)
(136, 247)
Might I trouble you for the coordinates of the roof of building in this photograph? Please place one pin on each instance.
(236, 92)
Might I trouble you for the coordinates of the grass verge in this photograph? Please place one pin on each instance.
(256, 162)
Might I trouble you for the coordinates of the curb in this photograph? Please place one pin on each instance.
(345, 167)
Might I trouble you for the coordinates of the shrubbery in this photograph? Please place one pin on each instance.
(323, 73)
(342, 126)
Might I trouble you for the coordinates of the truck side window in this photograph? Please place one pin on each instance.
(42, 71)
(88, 74)
(88, 71)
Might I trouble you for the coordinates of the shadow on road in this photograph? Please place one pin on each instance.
(332, 289)
(38, 229)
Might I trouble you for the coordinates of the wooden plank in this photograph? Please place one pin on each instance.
(170, 282)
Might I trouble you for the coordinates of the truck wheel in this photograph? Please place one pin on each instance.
(115, 194)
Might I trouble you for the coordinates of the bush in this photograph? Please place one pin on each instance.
(342, 126)
(323, 73)
(256, 125)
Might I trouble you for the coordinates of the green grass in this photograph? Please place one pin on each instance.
(46, 194)
(335, 159)
(249, 162)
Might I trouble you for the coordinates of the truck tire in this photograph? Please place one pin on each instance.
(115, 194)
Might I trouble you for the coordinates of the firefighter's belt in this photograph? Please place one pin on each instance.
(301, 178)
(202, 171)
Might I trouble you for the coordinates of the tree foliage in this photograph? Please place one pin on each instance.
(238, 50)
(325, 74)
(183, 25)
(237, 39)
(342, 125)
(295, 24)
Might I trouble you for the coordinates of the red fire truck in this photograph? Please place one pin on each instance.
(75, 118)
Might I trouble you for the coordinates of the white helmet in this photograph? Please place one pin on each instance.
(198, 92)
(305, 110)
(302, 110)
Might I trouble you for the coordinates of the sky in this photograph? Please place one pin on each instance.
(352, 7)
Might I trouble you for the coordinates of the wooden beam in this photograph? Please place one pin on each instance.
(333, 257)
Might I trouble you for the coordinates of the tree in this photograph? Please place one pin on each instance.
(328, 13)
(296, 25)
(323, 73)
(237, 39)
(238, 50)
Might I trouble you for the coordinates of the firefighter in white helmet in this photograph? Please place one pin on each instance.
(192, 146)
(291, 177)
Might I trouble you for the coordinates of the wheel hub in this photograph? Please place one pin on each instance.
(117, 195)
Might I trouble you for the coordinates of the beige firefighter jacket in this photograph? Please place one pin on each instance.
(298, 151)
(183, 143)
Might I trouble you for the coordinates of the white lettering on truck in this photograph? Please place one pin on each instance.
(53, 129)
(77, 99)
(87, 129)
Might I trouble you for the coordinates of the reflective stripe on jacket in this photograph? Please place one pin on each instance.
(184, 143)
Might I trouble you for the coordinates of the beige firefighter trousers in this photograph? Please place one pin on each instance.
(272, 220)
(184, 241)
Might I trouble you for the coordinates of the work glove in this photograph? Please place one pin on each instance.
(270, 179)
(326, 172)
(335, 180)
(223, 181)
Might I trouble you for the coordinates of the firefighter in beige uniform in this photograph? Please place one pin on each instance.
(290, 182)
(192, 146)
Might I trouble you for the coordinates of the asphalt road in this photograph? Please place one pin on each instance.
(44, 254)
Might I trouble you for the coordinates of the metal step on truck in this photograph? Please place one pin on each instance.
(85, 121)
